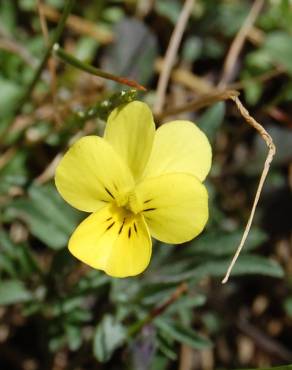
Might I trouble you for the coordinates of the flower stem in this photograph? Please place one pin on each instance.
(136, 327)
(103, 109)
(56, 36)
(70, 59)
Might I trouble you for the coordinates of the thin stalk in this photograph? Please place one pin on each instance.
(56, 36)
(70, 59)
(137, 326)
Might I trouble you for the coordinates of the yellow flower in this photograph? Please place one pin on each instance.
(137, 183)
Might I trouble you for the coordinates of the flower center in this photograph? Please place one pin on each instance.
(130, 201)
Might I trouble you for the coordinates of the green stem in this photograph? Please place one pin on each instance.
(70, 59)
(103, 109)
(56, 36)
(137, 326)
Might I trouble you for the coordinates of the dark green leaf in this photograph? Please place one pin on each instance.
(13, 291)
(219, 243)
(278, 45)
(212, 119)
(133, 53)
(187, 302)
(9, 93)
(109, 335)
(74, 337)
(166, 348)
(288, 306)
(169, 9)
(48, 216)
(182, 334)
(282, 138)
(245, 265)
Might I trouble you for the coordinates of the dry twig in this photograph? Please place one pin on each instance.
(49, 171)
(201, 85)
(233, 95)
(238, 43)
(199, 103)
(263, 341)
(51, 62)
(272, 150)
(186, 78)
(7, 156)
(79, 25)
(171, 54)
(14, 47)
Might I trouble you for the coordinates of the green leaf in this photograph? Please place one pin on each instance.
(9, 93)
(166, 348)
(219, 243)
(109, 335)
(155, 293)
(229, 16)
(169, 9)
(14, 173)
(245, 265)
(7, 266)
(278, 45)
(288, 306)
(282, 139)
(187, 302)
(192, 49)
(74, 337)
(133, 53)
(253, 92)
(6, 245)
(16, 260)
(212, 119)
(13, 291)
(50, 219)
(182, 334)
(8, 15)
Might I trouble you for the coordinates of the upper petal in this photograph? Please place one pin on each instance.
(130, 130)
(175, 206)
(113, 241)
(91, 173)
(179, 146)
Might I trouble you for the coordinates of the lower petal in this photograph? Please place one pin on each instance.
(175, 207)
(113, 240)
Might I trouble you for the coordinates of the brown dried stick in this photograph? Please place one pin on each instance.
(49, 171)
(233, 95)
(199, 103)
(7, 156)
(51, 61)
(238, 43)
(14, 47)
(171, 54)
(272, 150)
(79, 25)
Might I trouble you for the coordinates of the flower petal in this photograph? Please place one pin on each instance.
(130, 130)
(179, 146)
(175, 207)
(114, 241)
(91, 173)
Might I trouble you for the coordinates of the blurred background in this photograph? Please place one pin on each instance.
(55, 312)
